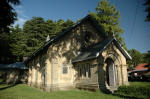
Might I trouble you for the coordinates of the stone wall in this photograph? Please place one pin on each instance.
(14, 76)
(120, 65)
(37, 71)
(98, 66)
(64, 50)
(90, 79)
(61, 51)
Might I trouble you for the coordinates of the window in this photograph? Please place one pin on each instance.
(89, 70)
(84, 70)
(65, 68)
(79, 71)
(87, 36)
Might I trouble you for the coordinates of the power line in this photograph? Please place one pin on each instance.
(134, 21)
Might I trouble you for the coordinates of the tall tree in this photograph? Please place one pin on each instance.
(17, 44)
(137, 58)
(36, 31)
(67, 24)
(8, 15)
(4, 48)
(109, 18)
(52, 28)
(147, 57)
(147, 3)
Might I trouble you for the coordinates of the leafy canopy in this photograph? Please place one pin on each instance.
(109, 18)
(147, 3)
(147, 57)
(137, 58)
(37, 29)
(8, 15)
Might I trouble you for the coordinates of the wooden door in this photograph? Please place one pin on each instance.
(111, 75)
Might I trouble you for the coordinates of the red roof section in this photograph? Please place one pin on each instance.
(142, 67)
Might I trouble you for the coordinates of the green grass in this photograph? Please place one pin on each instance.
(140, 84)
(21, 91)
(138, 90)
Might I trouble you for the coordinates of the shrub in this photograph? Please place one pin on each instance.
(134, 91)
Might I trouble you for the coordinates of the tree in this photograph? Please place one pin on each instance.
(147, 3)
(108, 17)
(67, 24)
(8, 15)
(36, 31)
(17, 44)
(137, 58)
(52, 28)
(147, 57)
(4, 48)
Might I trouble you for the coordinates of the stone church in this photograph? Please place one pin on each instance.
(80, 57)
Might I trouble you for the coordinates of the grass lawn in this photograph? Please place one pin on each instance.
(21, 91)
(140, 84)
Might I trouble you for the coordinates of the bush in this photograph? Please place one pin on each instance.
(134, 91)
(143, 90)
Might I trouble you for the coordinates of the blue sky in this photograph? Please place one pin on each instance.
(136, 30)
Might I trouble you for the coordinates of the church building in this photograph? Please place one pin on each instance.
(80, 57)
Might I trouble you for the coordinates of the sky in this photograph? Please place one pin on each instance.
(136, 31)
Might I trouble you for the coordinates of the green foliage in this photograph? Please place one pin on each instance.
(67, 24)
(22, 42)
(147, 3)
(137, 58)
(137, 90)
(17, 45)
(147, 57)
(4, 48)
(8, 15)
(37, 30)
(109, 18)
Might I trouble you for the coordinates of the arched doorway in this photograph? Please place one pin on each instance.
(110, 72)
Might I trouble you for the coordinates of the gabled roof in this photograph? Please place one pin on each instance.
(98, 49)
(17, 65)
(47, 44)
(141, 67)
(144, 66)
(94, 52)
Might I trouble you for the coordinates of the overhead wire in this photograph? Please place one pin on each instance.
(134, 22)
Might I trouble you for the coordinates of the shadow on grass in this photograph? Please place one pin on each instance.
(126, 97)
(2, 81)
(9, 86)
(6, 86)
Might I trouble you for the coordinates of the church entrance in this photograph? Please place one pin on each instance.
(110, 72)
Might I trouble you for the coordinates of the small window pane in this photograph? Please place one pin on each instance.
(84, 71)
(79, 71)
(89, 71)
(65, 68)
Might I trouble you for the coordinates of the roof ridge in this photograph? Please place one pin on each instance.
(64, 32)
